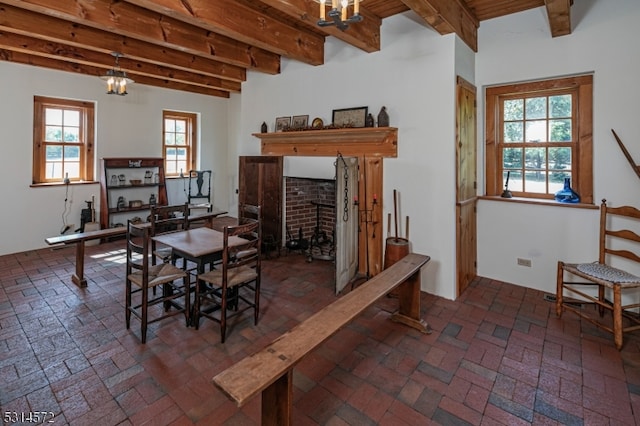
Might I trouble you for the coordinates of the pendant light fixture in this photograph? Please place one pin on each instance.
(338, 15)
(116, 78)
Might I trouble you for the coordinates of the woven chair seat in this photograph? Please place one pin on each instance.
(158, 274)
(607, 273)
(235, 276)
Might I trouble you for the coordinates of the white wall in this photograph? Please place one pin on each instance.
(519, 48)
(129, 126)
(413, 76)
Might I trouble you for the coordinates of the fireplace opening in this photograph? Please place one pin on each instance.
(310, 216)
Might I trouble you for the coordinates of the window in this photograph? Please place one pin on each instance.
(63, 140)
(538, 134)
(179, 142)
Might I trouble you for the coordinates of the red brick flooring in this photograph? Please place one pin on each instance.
(497, 355)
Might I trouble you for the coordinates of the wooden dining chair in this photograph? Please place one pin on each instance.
(165, 219)
(199, 195)
(249, 212)
(141, 276)
(619, 251)
(235, 286)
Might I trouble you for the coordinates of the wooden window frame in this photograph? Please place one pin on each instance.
(190, 146)
(582, 123)
(86, 144)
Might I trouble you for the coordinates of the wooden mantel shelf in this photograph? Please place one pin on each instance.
(350, 142)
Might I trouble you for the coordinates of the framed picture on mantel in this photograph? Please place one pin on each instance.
(283, 123)
(350, 117)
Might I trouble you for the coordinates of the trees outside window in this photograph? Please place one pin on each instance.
(538, 134)
(63, 140)
(179, 141)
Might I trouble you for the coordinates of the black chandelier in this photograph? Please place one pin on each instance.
(116, 78)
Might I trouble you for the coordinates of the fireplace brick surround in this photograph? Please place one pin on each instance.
(301, 213)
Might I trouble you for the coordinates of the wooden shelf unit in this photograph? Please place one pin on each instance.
(132, 168)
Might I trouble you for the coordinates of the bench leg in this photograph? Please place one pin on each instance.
(277, 401)
(408, 294)
(78, 278)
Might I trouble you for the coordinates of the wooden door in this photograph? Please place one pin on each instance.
(466, 199)
(260, 183)
(346, 238)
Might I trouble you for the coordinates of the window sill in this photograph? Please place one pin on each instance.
(539, 202)
(49, 184)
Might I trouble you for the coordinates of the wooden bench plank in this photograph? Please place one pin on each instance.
(252, 375)
(85, 236)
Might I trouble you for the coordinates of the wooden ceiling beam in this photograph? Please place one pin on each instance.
(559, 13)
(237, 21)
(25, 22)
(364, 35)
(142, 24)
(43, 62)
(447, 16)
(105, 61)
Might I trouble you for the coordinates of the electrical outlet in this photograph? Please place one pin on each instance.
(524, 262)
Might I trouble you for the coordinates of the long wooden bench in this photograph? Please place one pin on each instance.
(270, 370)
(79, 238)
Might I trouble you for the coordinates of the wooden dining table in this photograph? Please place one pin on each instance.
(200, 245)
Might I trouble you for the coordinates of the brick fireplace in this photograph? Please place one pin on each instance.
(300, 196)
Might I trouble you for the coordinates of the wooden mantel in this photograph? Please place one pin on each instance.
(370, 145)
(350, 142)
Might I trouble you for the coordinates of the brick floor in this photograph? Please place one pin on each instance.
(497, 355)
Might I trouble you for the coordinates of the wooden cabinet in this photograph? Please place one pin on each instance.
(126, 189)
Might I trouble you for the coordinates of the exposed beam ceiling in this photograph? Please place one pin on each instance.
(207, 46)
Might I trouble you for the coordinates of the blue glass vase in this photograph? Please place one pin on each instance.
(566, 194)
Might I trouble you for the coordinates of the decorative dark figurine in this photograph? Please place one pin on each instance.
(369, 121)
(263, 128)
(383, 118)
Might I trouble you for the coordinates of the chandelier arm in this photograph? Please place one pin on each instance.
(337, 17)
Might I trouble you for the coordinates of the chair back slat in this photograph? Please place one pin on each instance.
(617, 239)
(625, 234)
(623, 253)
(245, 254)
(137, 247)
(171, 218)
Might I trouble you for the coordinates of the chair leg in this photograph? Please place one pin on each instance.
(127, 313)
(559, 288)
(195, 318)
(601, 299)
(256, 302)
(617, 316)
(223, 314)
(187, 299)
(143, 319)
